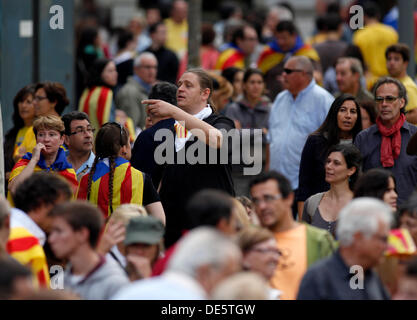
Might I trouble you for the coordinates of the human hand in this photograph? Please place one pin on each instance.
(114, 233)
(159, 108)
(36, 152)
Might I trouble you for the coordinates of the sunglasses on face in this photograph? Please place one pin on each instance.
(289, 71)
(389, 99)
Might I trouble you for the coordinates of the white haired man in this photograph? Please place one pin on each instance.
(362, 231)
(130, 96)
(192, 272)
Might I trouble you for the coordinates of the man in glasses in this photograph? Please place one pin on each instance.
(295, 113)
(362, 231)
(79, 135)
(301, 244)
(130, 96)
(384, 144)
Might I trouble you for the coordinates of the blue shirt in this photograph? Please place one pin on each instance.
(85, 167)
(405, 167)
(290, 123)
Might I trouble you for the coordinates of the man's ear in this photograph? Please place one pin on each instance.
(66, 139)
(83, 235)
(205, 93)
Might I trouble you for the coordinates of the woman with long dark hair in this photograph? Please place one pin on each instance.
(23, 116)
(97, 99)
(342, 124)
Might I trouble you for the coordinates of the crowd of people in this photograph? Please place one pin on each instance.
(141, 192)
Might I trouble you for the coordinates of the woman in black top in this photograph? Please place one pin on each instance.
(182, 176)
(342, 124)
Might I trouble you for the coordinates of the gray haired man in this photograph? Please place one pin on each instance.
(362, 232)
(129, 98)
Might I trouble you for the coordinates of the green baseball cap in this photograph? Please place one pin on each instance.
(145, 229)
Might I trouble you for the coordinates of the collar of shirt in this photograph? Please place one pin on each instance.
(59, 164)
(19, 218)
(302, 92)
(145, 85)
(86, 165)
(406, 126)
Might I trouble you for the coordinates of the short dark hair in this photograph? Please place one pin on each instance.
(288, 26)
(11, 270)
(229, 73)
(39, 189)
(402, 92)
(154, 27)
(283, 183)
(55, 91)
(165, 91)
(373, 183)
(71, 116)
(81, 214)
(353, 158)
(238, 34)
(400, 48)
(207, 207)
(371, 10)
(124, 38)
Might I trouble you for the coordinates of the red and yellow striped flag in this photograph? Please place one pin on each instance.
(128, 185)
(25, 248)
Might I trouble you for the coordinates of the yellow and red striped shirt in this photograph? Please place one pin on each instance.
(97, 103)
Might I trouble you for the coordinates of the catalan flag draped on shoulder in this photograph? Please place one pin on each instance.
(61, 166)
(273, 54)
(128, 184)
(232, 56)
(25, 248)
(97, 103)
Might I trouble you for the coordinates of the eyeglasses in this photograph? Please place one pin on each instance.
(389, 99)
(83, 131)
(39, 98)
(267, 199)
(289, 71)
(267, 250)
